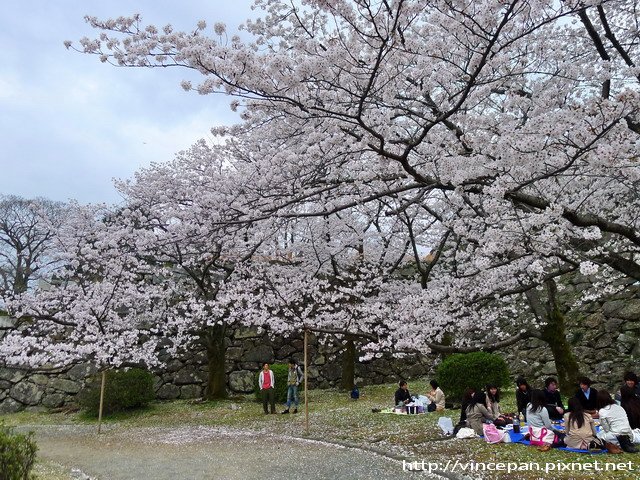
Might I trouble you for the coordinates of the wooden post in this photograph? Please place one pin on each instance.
(104, 380)
(306, 383)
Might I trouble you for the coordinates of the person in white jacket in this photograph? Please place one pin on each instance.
(614, 423)
(267, 382)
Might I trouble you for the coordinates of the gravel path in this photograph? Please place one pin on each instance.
(205, 453)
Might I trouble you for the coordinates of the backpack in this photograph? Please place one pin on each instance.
(355, 393)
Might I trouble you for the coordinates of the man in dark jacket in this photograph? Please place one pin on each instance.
(587, 396)
(554, 402)
(523, 395)
(402, 396)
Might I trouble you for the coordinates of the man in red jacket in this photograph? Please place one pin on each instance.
(267, 382)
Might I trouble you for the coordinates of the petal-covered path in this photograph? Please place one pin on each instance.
(205, 453)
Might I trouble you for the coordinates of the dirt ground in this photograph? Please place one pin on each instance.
(204, 453)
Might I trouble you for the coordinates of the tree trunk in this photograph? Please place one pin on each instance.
(348, 364)
(555, 335)
(213, 339)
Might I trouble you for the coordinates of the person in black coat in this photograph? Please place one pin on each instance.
(402, 396)
(587, 396)
(554, 402)
(523, 395)
(631, 404)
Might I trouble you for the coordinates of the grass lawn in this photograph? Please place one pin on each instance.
(336, 418)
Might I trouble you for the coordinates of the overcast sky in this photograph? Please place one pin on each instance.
(70, 124)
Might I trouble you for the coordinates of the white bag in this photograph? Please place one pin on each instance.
(446, 425)
(465, 432)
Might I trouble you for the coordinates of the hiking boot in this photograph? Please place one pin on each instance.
(295, 410)
(612, 448)
(626, 444)
(286, 411)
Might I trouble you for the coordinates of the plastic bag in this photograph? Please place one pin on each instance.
(446, 425)
(492, 434)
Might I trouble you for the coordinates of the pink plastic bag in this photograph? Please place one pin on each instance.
(492, 434)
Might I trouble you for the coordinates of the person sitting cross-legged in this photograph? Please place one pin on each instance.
(587, 396)
(402, 395)
(553, 401)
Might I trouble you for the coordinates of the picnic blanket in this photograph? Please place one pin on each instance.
(396, 412)
(519, 438)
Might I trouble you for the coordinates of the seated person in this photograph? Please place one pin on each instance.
(614, 423)
(402, 396)
(477, 413)
(538, 415)
(554, 402)
(630, 380)
(631, 404)
(523, 395)
(436, 395)
(580, 430)
(493, 399)
(587, 396)
(493, 405)
(466, 400)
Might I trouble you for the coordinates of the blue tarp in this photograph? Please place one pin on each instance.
(519, 438)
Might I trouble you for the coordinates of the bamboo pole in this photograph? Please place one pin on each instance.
(104, 381)
(306, 384)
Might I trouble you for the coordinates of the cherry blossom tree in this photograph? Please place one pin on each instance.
(98, 307)
(512, 127)
(183, 219)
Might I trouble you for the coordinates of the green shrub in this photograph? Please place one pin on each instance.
(124, 390)
(464, 370)
(281, 373)
(17, 454)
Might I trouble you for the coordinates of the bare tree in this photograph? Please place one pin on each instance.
(26, 230)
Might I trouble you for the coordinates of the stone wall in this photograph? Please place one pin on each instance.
(185, 377)
(604, 336)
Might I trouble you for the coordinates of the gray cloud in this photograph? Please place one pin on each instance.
(70, 123)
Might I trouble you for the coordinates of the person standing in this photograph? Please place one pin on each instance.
(294, 379)
(267, 383)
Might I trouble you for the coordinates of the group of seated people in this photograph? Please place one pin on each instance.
(539, 408)
(436, 397)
